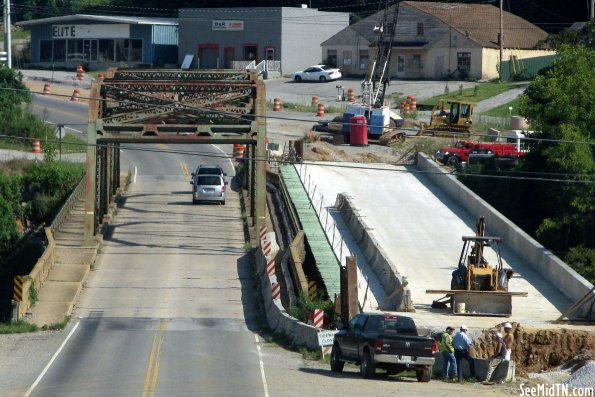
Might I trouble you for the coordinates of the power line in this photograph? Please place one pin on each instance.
(323, 164)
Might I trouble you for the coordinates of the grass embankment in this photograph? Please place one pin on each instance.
(477, 93)
(503, 111)
(21, 327)
(70, 144)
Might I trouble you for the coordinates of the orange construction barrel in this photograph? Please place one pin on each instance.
(36, 146)
(358, 131)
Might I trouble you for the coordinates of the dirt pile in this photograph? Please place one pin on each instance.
(323, 151)
(540, 350)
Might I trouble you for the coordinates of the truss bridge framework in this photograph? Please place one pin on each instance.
(178, 107)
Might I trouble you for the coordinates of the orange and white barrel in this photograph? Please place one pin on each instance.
(413, 104)
(80, 72)
(277, 105)
(320, 112)
(350, 95)
(406, 108)
(76, 94)
(46, 89)
(36, 146)
(314, 101)
(101, 76)
(238, 151)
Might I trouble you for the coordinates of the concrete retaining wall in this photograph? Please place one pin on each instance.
(384, 269)
(277, 318)
(554, 270)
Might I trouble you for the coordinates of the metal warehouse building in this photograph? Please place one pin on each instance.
(229, 38)
(103, 41)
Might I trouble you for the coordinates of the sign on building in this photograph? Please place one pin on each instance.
(228, 25)
(103, 31)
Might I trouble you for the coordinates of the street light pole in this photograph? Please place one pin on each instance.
(7, 39)
(501, 40)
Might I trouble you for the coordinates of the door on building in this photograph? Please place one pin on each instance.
(347, 62)
(439, 67)
(250, 52)
(208, 56)
(228, 57)
(90, 47)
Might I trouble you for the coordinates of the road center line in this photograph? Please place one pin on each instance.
(47, 367)
(264, 379)
(154, 358)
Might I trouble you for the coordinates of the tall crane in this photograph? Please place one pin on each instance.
(374, 87)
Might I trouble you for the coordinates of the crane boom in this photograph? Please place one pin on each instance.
(374, 86)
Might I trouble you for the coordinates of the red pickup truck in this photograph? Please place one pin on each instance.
(461, 150)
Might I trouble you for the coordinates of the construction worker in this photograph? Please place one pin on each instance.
(508, 340)
(462, 344)
(496, 359)
(448, 353)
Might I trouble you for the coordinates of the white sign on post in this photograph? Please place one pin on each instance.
(325, 338)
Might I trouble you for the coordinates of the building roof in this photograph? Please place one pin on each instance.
(479, 22)
(102, 18)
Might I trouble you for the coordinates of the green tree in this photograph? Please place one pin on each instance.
(9, 235)
(559, 104)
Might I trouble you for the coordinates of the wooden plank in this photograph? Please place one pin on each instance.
(451, 292)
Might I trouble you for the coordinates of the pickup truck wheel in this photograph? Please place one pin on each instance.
(367, 367)
(424, 375)
(453, 161)
(336, 363)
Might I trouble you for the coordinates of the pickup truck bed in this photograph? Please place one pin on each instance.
(389, 341)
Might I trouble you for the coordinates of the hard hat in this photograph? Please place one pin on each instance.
(498, 334)
(449, 328)
(508, 325)
(463, 327)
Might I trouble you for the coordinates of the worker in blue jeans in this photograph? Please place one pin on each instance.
(462, 344)
(448, 353)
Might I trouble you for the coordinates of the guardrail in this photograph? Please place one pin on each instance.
(38, 274)
(68, 205)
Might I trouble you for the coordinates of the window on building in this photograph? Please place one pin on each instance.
(106, 50)
(416, 61)
(420, 29)
(75, 50)
(45, 51)
(136, 50)
(400, 63)
(364, 59)
(121, 50)
(464, 61)
(60, 50)
(331, 58)
(347, 61)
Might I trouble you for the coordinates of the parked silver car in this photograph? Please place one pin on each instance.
(208, 188)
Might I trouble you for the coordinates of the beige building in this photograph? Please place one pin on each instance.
(438, 41)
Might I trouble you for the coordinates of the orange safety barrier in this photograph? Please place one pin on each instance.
(80, 72)
(406, 108)
(350, 95)
(36, 146)
(238, 151)
(413, 104)
(277, 105)
(101, 76)
(314, 100)
(320, 112)
(76, 94)
(46, 89)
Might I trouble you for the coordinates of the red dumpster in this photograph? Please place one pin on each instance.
(358, 131)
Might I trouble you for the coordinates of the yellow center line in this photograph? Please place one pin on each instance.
(153, 368)
(184, 169)
(162, 145)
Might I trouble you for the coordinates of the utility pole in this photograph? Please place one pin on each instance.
(7, 39)
(501, 40)
(592, 15)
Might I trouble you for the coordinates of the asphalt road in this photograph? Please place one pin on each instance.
(73, 115)
(169, 308)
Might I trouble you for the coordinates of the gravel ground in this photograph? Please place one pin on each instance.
(584, 377)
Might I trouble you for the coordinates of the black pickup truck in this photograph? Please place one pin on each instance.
(389, 341)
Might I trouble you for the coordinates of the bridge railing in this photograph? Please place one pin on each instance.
(68, 205)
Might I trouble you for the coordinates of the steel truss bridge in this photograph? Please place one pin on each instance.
(173, 106)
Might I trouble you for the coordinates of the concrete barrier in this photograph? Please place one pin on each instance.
(504, 372)
(552, 268)
(277, 318)
(385, 270)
